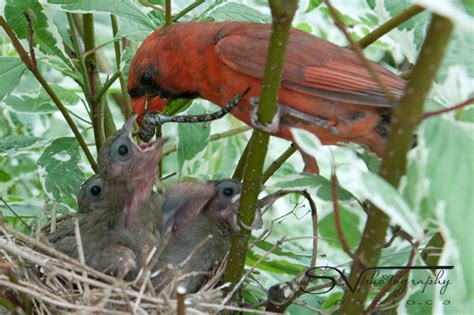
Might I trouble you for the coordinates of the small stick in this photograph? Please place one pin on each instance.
(449, 109)
(43, 214)
(30, 40)
(181, 296)
(337, 217)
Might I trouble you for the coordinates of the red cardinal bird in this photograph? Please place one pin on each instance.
(325, 88)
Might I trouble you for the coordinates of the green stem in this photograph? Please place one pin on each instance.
(90, 65)
(405, 119)
(107, 85)
(239, 170)
(189, 8)
(118, 58)
(77, 51)
(34, 70)
(278, 162)
(390, 25)
(167, 13)
(282, 15)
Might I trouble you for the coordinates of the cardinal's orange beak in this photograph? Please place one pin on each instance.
(140, 106)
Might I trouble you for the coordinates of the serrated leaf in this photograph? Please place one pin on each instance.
(41, 103)
(237, 12)
(58, 169)
(11, 70)
(42, 36)
(133, 30)
(124, 8)
(18, 143)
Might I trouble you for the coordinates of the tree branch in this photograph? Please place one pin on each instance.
(282, 15)
(389, 25)
(404, 121)
(34, 70)
(189, 8)
(118, 58)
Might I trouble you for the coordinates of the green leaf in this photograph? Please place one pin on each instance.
(43, 33)
(30, 209)
(349, 222)
(313, 4)
(450, 168)
(388, 199)
(41, 103)
(236, 12)
(133, 30)
(192, 138)
(308, 181)
(124, 8)
(17, 143)
(58, 169)
(11, 70)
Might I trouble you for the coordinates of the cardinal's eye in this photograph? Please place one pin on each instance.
(95, 190)
(122, 150)
(228, 191)
(146, 79)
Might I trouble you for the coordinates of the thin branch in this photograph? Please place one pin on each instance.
(27, 61)
(282, 15)
(118, 58)
(167, 13)
(358, 50)
(107, 85)
(239, 170)
(30, 40)
(154, 7)
(449, 109)
(337, 217)
(189, 8)
(14, 213)
(278, 163)
(405, 119)
(389, 25)
(181, 297)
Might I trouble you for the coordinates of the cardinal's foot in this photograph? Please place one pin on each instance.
(273, 127)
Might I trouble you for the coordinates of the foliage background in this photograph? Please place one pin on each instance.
(41, 162)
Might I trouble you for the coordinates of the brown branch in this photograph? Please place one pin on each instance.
(337, 217)
(449, 109)
(358, 50)
(34, 70)
(181, 297)
(30, 39)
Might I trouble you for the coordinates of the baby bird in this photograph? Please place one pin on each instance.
(196, 225)
(115, 217)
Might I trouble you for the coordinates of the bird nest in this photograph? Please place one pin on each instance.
(35, 278)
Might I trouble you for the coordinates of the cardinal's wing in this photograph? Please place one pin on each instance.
(184, 202)
(312, 66)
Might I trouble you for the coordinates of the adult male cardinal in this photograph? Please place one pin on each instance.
(117, 209)
(325, 88)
